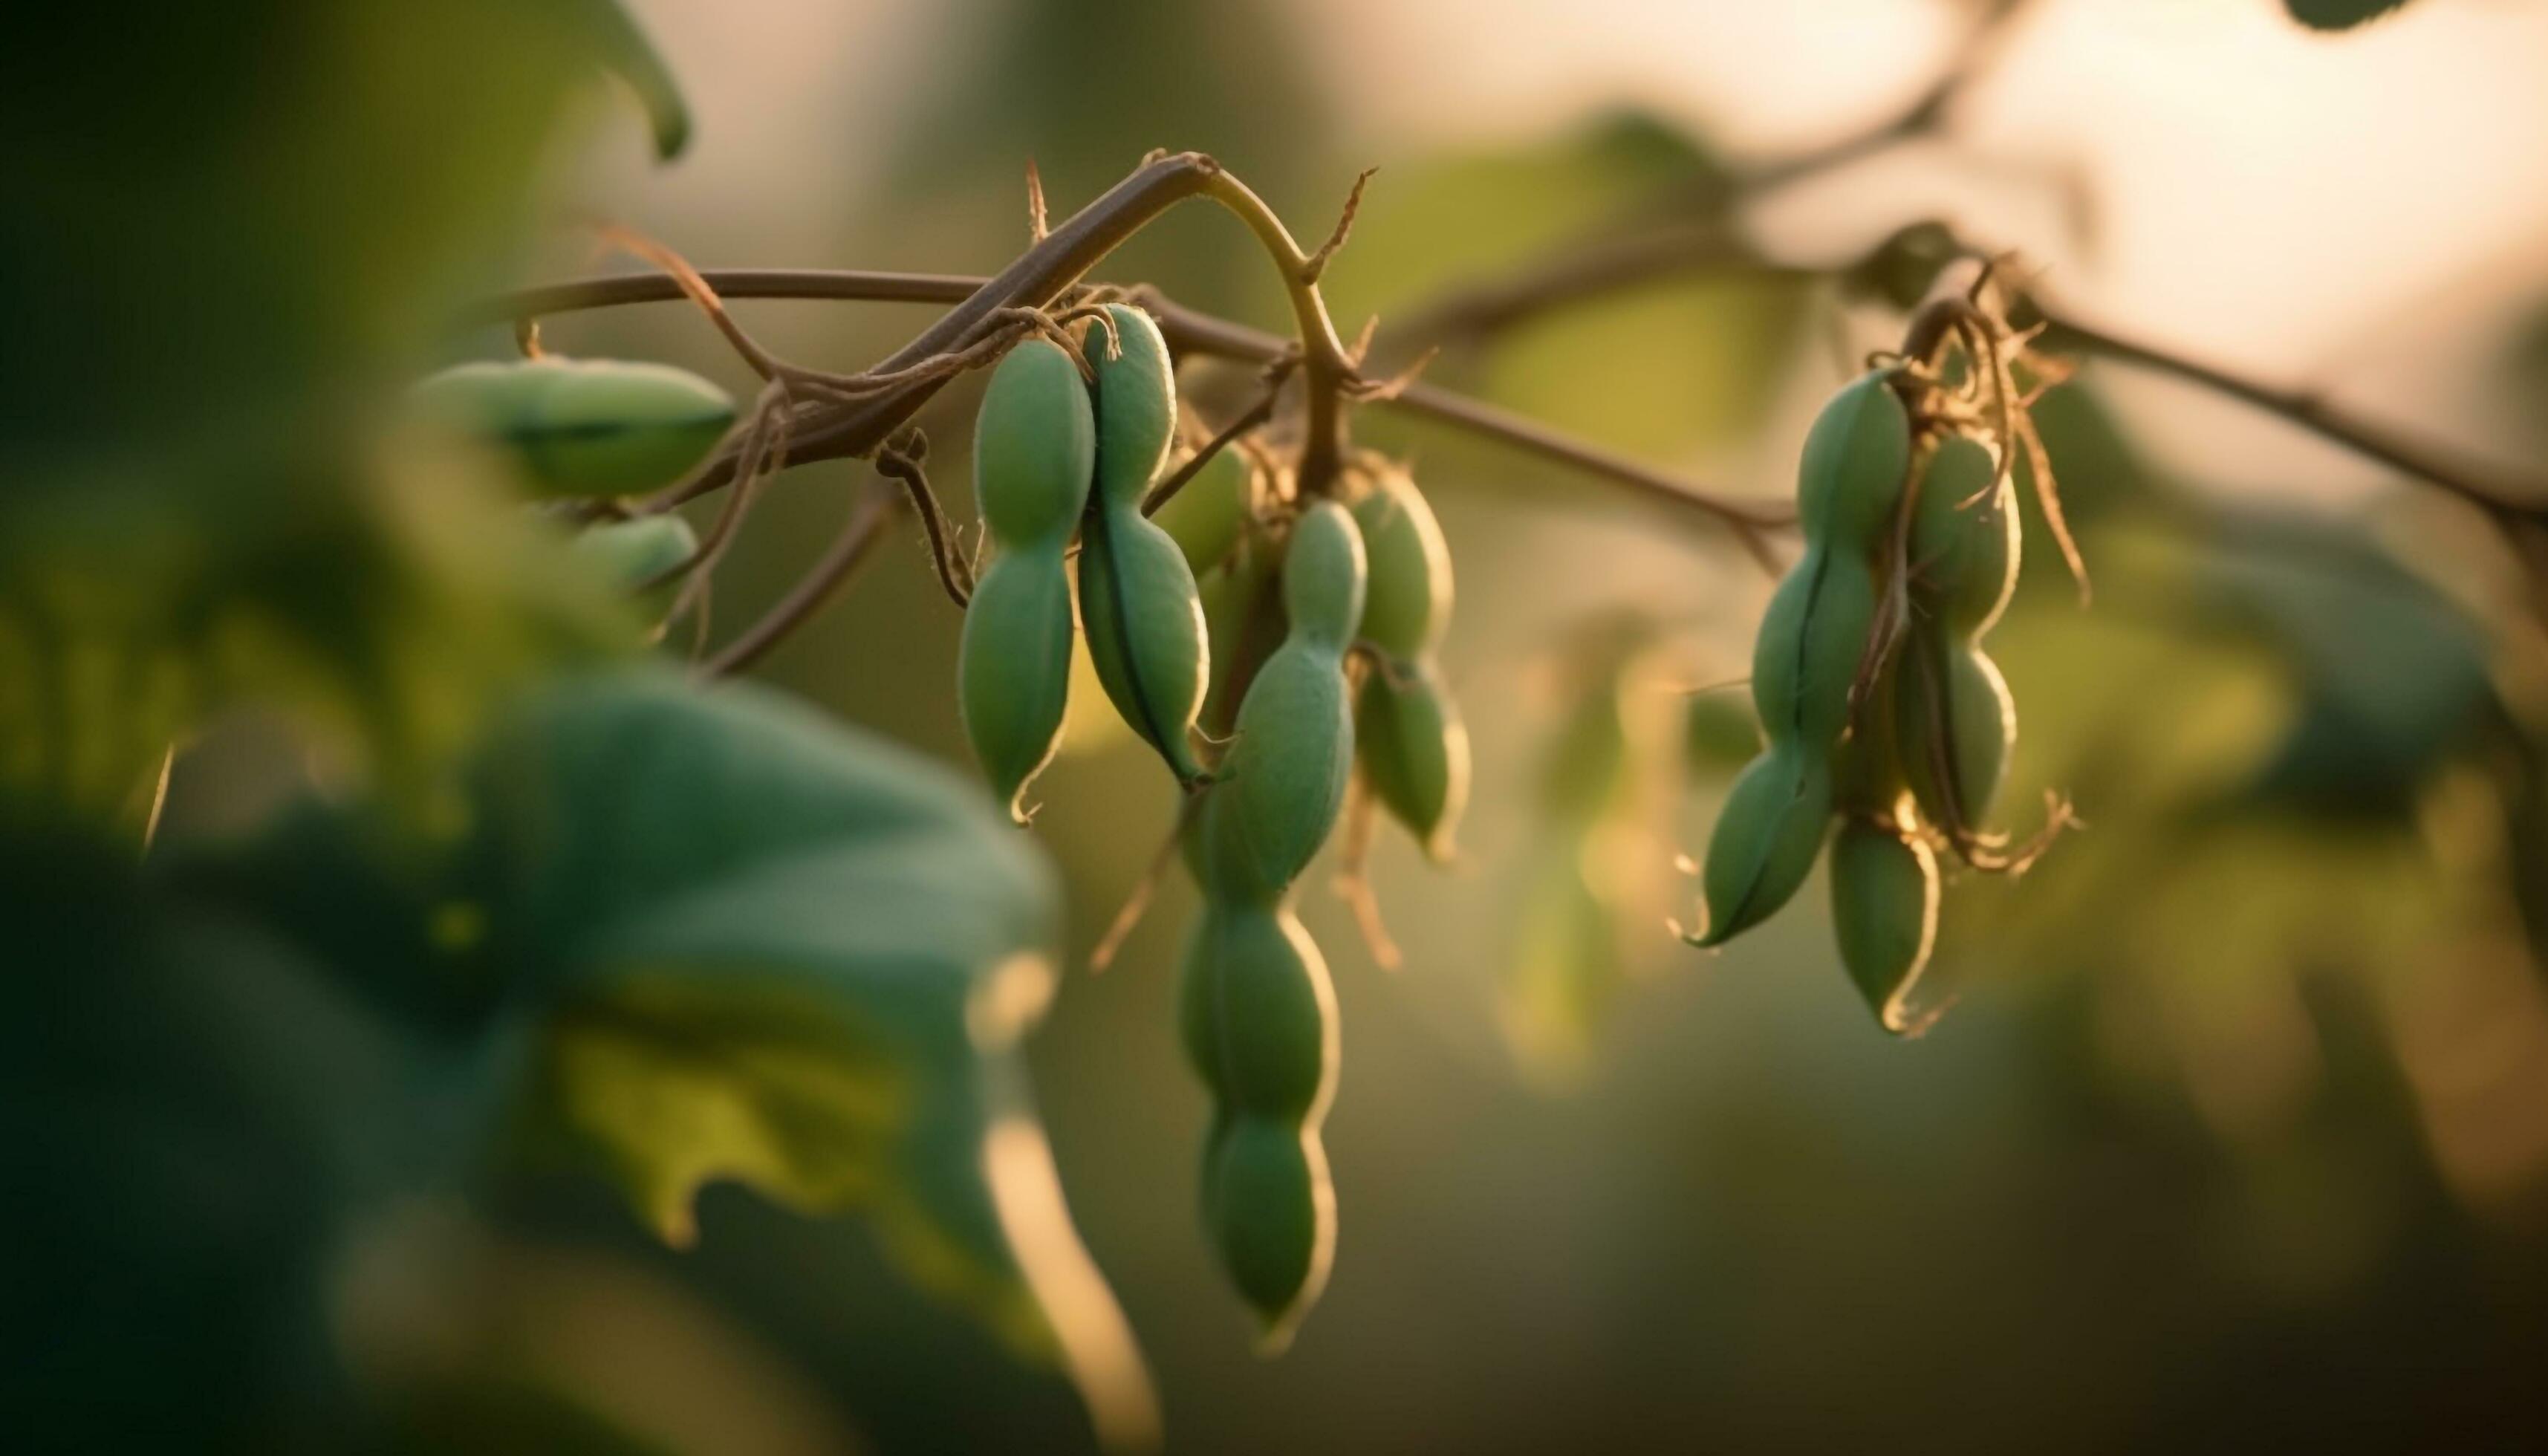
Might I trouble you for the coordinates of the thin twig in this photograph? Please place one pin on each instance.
(1246, 419)
(2501, 494)
(1187, 329)
(858, 537)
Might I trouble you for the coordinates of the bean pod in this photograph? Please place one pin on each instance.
(1806, 660)
(592, 428)
(1138, 603)
(1412, 747)
(1884, 914)
(1954, 722)
(634, 554)
(1257, 1010)
(1035, 445)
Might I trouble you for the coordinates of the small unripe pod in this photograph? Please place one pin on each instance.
(633, 553)
(587, 427)
(1034, 449)
(1292, 749)
(1272, 1214)
(1764, 841)
(1415, 751)
(1954, 724)
(1258, 1012)
(1013, 670)
(1410, 602)
(1137, 600)
(1964, 543)
(1884, 915)
(1035, 446)
(1856, 458)
(1811, 644)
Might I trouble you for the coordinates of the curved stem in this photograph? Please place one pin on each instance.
(1328, 370)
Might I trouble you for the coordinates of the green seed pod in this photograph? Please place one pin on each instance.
(1035, 447)
(1884, 914)
(1811, 644)
(633, 553)
(1137, 594)
(1410, 602)
(1034, 451)
(1964, 539)
(1258, 1012)
(1208, 514)
(1954, 724)
(1013, 670)
(588, 427)
(1293, 742)
(1764, 839)
(1415, 751)
(1856, 457)
(1271, 1212)
(1806, 661)
(1135, 391)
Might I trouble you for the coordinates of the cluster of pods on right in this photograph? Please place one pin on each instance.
(1886, 727)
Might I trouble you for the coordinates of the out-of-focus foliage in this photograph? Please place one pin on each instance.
(684, 939)
(212, 283)
(1588, 880)
(2338, 15)
(1709, 350)
(670, 936)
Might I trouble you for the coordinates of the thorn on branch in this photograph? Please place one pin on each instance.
(1038, 229)
(1317, 263)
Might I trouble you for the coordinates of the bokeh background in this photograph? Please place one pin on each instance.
(2238, 1132)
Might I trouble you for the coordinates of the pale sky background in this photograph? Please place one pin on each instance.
(2350, 211)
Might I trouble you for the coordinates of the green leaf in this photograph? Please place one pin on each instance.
(2338, 15)
(696, 935)
(753, 946)
(380, 592)
(262, 218)
(191, 1110)
(1709, 350)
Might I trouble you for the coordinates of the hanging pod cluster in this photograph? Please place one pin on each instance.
(1225, 623)
(1065, 448)
(1877, 704)
(1257, 1009)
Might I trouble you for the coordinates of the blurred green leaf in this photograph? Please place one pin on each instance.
(1665, 367)
(191, 1110)
(240, 229)
(692, 937)
(2393, 677)
(2338, 15)
(1567, 963)
(760, 947)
